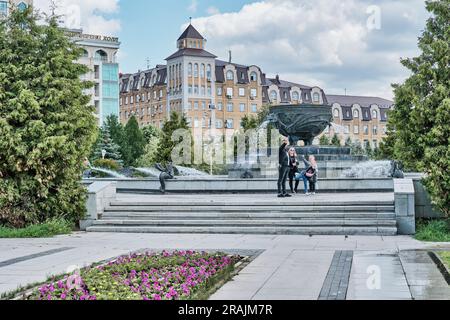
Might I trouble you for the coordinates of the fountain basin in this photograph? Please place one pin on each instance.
(301, 122)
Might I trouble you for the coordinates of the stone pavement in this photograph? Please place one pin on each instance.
(289, 267)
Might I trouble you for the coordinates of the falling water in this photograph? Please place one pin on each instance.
(152, 172)
(189, 172)
(369, 169)
(111, 173)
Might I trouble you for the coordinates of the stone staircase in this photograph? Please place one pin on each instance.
(239, 216)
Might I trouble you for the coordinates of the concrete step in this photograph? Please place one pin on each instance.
(244, 216)
(244, 208)
(251, 223)
(343, 230)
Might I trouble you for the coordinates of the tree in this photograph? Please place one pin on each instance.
(47, 126)
(133, 142)
(335, 141)
(419, 125)
(348, 142)
(250, 122)
(115, 129)
(150, 132)
(166, 145)
(324, 140)
(106, 143)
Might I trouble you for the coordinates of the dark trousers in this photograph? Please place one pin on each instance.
(312, 186)
(162, 179)
(282, 178)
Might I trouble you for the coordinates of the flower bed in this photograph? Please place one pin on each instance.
(178, 275)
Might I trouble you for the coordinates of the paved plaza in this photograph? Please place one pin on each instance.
(286, 267)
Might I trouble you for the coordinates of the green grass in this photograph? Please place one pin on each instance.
(445, 256)
(45, 230)
(433, 230)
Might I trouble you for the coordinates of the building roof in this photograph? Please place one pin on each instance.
(191, 33)
(191, 53)
(362, 101)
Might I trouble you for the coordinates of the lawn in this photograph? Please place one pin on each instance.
(45, 230)
(445, 257)
(178, 275)
(433, 230)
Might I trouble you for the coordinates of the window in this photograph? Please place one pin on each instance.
(273, 95)
(126, 100)
(209, 91)
(295, 96)
(101, 55)
(230, 75)
(336, 113)
(375, 144)
(219, 91)
(316, 97)
(160, 93)
(202, 71)
(220, 106)
(230, 107)
(346, 129)
(195, 89)
(189, 106)
(203, 105)
(190, 89)
(230, 124)
(254, 108)
(190, 70)
(356, 114)
(375, 130)
(253, 76)
(219, 124)
(196, 70)
(285, 95)
(203, 122)
(3, 8)
(131, 99)
(366, 130)
(208, 72)
(203, 91)
(85, 53)
(374, 114)
(384, 130)
(196, 105)
(356, 129)
(242, 92)
(253, 93)
(242, 107)
(230, 92)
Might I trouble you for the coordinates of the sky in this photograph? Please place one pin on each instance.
(351, 46)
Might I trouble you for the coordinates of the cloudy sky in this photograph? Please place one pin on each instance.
(352, 45)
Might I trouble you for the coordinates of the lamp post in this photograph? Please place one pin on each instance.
(103, 154)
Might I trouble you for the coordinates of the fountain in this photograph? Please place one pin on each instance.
(190, 172)
(110, 173)
(369, 169)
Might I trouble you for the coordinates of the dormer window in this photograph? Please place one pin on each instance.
(230, 75)
(273, 95)
(316, 97)
(253, 77)
(295, 96)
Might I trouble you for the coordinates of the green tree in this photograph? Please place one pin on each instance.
(106, 143)
(166, 145)
(335, 141)
(348, 142)
(133, 142)
(357, 149)
(115, 129)
(324, 140)
(47, 126)
(150, 132)
(419, 125)
(250, 122)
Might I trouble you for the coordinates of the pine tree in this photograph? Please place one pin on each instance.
(115, 129)
(166, 145)
(335, 141)
(419, 125)
(46, 124)
(106, 143)
(133, 142)
(324, 140)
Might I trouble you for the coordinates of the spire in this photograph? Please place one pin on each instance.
(191, 33)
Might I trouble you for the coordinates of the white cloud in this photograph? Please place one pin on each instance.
(193, 6)
(87, 14)
(322, 42)
(212, 10)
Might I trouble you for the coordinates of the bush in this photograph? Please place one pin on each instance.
(324, 141)
(107, 164)
(47, 229)
(47, 126)
(433, 230)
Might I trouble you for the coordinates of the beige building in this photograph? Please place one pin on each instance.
(217, 93)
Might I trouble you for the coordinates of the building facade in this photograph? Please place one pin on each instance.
(100, 56)
(214, 93)
(21, 4)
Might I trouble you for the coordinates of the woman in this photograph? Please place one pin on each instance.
(293, 166)
(310, 174)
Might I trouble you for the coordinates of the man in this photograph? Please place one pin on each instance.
(284, 168)
(167, 173)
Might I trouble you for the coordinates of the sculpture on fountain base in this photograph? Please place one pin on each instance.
(167, 173)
